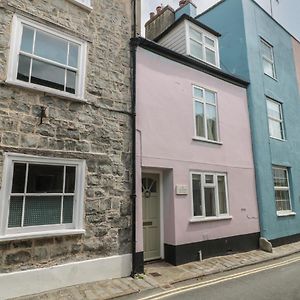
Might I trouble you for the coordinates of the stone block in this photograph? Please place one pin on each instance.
(265, 245)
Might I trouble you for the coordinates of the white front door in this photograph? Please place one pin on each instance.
(151, 216)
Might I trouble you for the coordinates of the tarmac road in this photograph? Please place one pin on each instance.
(277, 280)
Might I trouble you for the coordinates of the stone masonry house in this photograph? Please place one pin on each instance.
(65, 132)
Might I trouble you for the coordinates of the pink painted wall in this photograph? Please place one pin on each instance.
(296, 47)
(165, 126)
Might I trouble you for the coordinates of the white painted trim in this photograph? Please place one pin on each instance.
(79, 3)
(285, 213)
(77, 227)
(209, 219)
(161, 203)
(29, 282)
(15, 44)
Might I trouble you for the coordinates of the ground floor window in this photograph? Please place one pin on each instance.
(41, 194)
(209, 194)
(282, 190)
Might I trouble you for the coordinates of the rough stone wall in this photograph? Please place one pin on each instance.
(98, 130)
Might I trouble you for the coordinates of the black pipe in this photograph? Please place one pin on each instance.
(133, 160)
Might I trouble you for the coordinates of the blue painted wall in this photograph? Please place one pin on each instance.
(242, 23)
(189, 9)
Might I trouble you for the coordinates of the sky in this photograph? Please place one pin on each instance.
(286, 12)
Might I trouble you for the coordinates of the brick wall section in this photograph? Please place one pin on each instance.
(93, 131)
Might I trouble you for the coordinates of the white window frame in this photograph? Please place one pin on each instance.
(15, 44)
(77, 227)
(280, 120)
(203, 101)
(218, 216)
(271, 61)
(204, 44)
(85, 4)
(283, 188)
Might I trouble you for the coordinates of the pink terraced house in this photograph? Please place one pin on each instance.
(196, 192)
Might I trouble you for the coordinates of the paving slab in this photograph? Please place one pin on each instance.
(163, 275)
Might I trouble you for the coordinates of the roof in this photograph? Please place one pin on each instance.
(221, 1)
(188, 61)
(181, 19)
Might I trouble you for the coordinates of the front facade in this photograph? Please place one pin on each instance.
(194, 159)
(65, 143)
(257, 48)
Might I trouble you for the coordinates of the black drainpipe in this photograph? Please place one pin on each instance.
(133, 160)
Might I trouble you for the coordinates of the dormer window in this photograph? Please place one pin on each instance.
(202, 45)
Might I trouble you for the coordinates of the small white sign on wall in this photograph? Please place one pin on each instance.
(181, 189)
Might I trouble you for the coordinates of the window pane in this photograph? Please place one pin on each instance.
(209, 41)
(209, 178)
(275, 128)
(282, 200)
(273, 109)
(70, 180)
(196, 50)
(210, 56)
(51, 47)
(45, 179)
(73, 55)
(210, 97)
(18, 185)
(27, 39)
(23, 68)
(199, 110)
(15, 211)
(42, 210)
(195, 35)
(71, 82)
(68, 209)
(268, 68)
(197, 201)
(211, 122)
(210, 206)
(266, 50)
(198, 93)
(48, 75)
(280, 177)
(222, 195)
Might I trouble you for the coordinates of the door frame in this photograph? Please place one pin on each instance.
(161, 206)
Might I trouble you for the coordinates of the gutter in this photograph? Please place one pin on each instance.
(133, 150)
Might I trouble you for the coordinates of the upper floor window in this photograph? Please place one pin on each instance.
(83, 3)
(203, 46)
(209, 192)
(275, 117)
(41, 194)
(282, 190)
(268, 59)
(205, 114)
(45, 59)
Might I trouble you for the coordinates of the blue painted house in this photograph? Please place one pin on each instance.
(254, 46)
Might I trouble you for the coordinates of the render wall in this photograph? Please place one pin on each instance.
(284, 89)
(165, 126)
(97, 131)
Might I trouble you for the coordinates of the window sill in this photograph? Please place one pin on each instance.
(278, 139)
(47, 91)
(274, 78)
(203, 219)
(195, 138)
(286, 214)
(84, 6)
(32, 235)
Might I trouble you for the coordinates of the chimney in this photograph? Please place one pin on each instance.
(186, 7)
(159, 22)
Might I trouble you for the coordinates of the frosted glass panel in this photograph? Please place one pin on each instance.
(15, 211)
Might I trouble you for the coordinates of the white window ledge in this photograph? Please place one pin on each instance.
(46, 90)
(42, 234)
(82, 5)
(277, 139)
(286, 214)
(195, 138)
(209, 219)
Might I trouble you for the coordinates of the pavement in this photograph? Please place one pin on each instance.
(162, 276)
